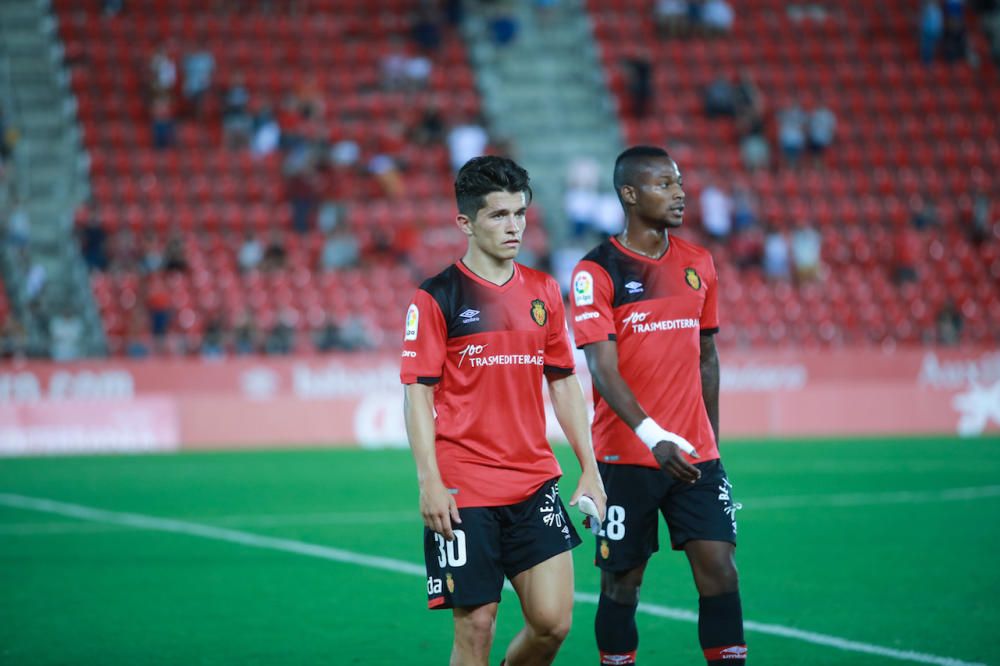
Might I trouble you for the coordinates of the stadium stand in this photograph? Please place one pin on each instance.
(906, 131)
(207, 195)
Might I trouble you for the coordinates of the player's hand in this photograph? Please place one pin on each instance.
(592, 486)
(670, 459)
(438, 508)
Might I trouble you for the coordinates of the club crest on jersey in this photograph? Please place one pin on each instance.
(539, 314)
(605, 549)
(583, 288)
(412, 321)
(692, 278)
(450, 582)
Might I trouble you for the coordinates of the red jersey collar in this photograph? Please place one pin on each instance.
(641, 257)
(486, 283)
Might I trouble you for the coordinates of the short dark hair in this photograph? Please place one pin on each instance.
(629, 161)
(483, 175)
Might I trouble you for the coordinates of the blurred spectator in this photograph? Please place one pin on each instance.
(8, 139)
(327, 338)
(671, 18)
(275, 254)
(213, 341)
(948, 324)
(502, 24)
(747, 248)
(404, 71)
(35, 280)
(716, 212)
(302, 187)
(340, 250)
(609, 217)
(93, 240)
(13, 339)
(245, 333)
(281, 338)
(822, 126)
(430, 128)
(354, 334)
(639, 83)
(907, 255)
(581, 199)
(954, 40)
(749, 105)
(426, 29)
(924, 215)
(112, 7)
(386, 172)
(136, 344)
(158, 307)
(152, 254)
(792, 133)
(174, 255)
(344, 153)
(251, 252)
(931, 29)
(329, 216)
(465, 141)
(775, 260)
(266, 132)
(719, 97)
(18, 224)
(125, 256)
(164, 129)
(65, 335)
(237, 123)
(162, 74)
(980, 219)
(744, 209)
(807, 250)
(717, 17)
(199, 66)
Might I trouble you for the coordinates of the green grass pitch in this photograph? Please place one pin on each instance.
(889, 542)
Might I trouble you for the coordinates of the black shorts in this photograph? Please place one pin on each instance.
(492, 543)
(628, 537)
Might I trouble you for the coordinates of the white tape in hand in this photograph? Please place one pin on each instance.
(651, 434)
(589, 508)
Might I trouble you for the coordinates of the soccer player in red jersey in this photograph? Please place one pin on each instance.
(480, 337)
(644, 308)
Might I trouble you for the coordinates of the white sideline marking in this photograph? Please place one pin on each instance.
(396, 517)
(140, 521)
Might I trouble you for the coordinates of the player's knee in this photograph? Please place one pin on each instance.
(718, 576)
(622, 588)
(553, 628)
(476, 630)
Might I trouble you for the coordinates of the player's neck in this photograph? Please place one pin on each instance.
(491, 269)
(648, 242)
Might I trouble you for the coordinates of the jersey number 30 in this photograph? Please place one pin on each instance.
(451, 553)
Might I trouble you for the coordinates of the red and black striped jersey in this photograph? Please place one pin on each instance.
(655, 310)
(486, 348)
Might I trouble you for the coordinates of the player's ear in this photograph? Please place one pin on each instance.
(628, 194)
(464, 223)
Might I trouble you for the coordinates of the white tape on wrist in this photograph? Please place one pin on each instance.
(651, 434)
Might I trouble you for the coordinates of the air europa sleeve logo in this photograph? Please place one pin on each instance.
(538, 312)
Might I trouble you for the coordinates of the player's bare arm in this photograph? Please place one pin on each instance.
(602, 360)
(710, 381)
(571, 412)
(437, 506)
